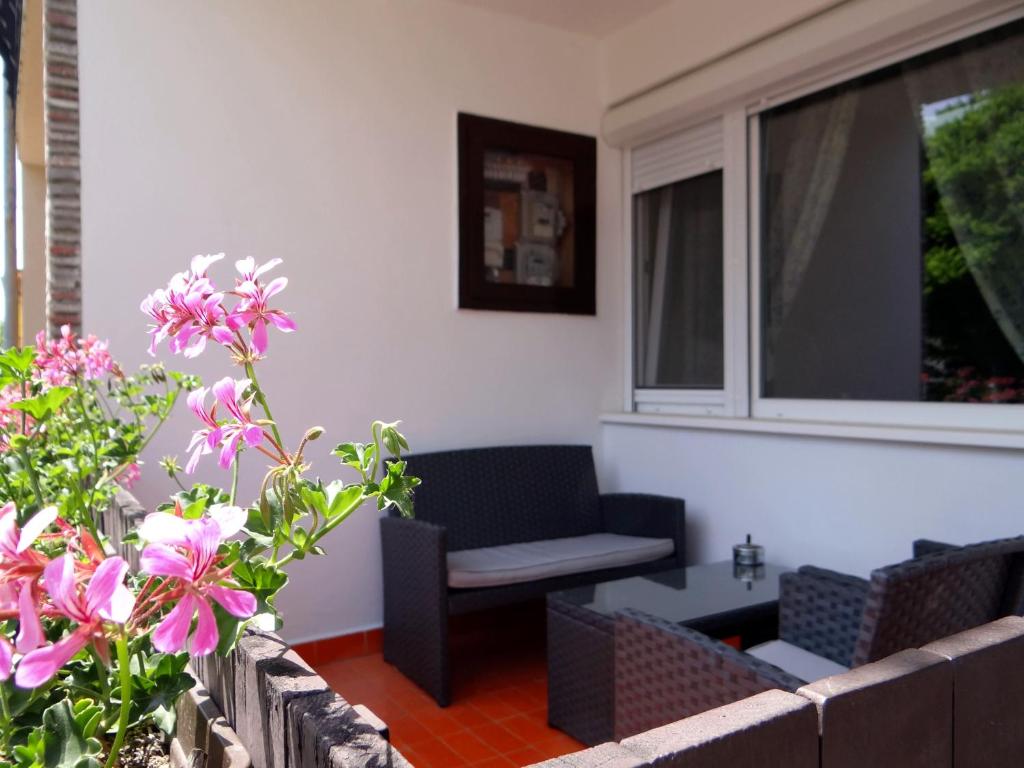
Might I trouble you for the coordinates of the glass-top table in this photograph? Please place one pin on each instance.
(737, 605)
(682, 596)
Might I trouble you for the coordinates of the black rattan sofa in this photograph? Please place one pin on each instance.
(536, 496)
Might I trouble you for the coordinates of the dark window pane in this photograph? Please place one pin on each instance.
(677, 234)
(892, 239)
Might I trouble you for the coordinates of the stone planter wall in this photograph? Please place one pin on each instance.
(287, 715)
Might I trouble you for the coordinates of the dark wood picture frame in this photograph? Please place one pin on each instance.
(480, 135)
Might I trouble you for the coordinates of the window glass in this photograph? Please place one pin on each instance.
(677, 235)
(892, 241)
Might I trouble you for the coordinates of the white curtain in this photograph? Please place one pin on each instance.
(796, 208)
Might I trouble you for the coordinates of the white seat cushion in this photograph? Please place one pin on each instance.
(534, 560)
(795, 660)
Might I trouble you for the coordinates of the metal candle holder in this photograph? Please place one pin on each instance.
(748, 562)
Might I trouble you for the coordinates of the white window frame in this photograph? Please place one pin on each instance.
(740, 399)
(732, 399)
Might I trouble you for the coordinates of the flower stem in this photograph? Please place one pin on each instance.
(123, 663)
(160, 422)
(250, 371)
(101, 670)
(5, 713)
(234, 480)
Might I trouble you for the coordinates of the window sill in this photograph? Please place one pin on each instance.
(978, 438)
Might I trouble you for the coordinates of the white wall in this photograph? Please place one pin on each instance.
(324, 133)
(845, 504)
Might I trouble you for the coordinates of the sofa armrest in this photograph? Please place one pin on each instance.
(821, 610)
(665, 672)
(645, 514)
(924, 547)
(415, 562)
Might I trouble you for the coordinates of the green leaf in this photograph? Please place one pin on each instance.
(228, 629)
(66, 746)
(314, 496)
(343, 500)
(359, 456)
(165, 717)
(87, 716)
(43, 406)
(396, 488)
(17, 363)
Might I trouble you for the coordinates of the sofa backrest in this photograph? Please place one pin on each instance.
(921, 600)
(490, 496)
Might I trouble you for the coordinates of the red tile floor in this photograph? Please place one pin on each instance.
(498, 715)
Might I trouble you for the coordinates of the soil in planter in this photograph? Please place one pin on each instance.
(145, 747)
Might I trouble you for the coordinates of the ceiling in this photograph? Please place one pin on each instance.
(596, 18)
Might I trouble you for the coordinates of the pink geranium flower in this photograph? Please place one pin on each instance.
(230, 396)
(62, 360)
(252, 311)
(105, 600)
(129, 476)
(20, 568)
(6, 659)
(203, 440)
(188, 311)
(185, 551)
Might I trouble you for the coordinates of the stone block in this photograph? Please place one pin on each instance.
(892, 713)
(609, 755)
(328, 733)
(269, 676)
(773, 729)
(988, 693)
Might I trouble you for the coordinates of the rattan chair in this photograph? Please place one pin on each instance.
(487, 497)
(664, 672)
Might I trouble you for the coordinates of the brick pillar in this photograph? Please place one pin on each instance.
(63, 174)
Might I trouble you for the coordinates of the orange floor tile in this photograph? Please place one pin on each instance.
(498, 716)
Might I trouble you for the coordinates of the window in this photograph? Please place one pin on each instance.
(892, 232)
(678, 304)
(851, 253)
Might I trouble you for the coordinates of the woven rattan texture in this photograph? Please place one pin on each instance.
(644, 514)
(416, 603)
(665, 672)
(581, 686)
(921, 600)
(820, 611)
(466, 600)
(491, 496)
(583, 615)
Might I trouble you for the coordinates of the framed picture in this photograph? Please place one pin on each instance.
(527, 224)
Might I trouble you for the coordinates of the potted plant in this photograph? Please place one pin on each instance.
(89, 650)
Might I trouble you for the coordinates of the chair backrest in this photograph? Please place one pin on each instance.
(665, 672)
(919, 601)
(491, 496)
